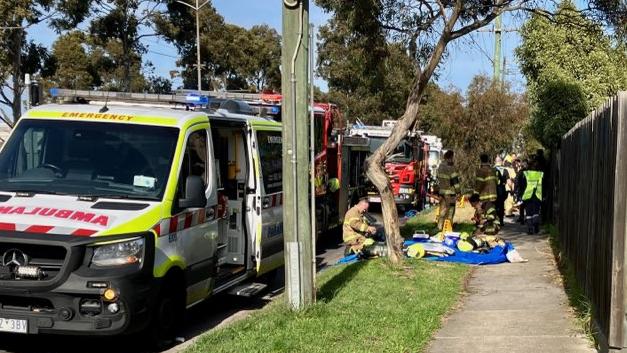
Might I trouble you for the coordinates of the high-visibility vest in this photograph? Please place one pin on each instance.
(534, 184)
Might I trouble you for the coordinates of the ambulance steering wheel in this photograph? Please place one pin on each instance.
(56, 169)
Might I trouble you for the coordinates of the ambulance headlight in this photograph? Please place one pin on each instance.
(125, 252)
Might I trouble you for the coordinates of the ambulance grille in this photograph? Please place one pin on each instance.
(48, 258)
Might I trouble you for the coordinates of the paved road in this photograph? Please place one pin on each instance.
(209, 315)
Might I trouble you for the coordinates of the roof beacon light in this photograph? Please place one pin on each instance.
(197, 99)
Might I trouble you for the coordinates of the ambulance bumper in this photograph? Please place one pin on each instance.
(84, 301)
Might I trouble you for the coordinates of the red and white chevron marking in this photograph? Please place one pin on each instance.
(180, 222)
(43, 229)
(273, 200)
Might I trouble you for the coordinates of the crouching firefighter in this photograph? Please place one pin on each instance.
(485, 218)
(357, 233)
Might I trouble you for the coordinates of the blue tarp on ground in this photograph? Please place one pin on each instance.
(496, 255)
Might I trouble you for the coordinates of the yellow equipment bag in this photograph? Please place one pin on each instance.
(416, 251)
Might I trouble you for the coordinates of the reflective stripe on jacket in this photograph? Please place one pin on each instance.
(486, 182)
(533, 180)
(355, 225)
(448, 179)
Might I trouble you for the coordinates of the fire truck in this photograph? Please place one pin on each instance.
(407, 167)
(339, 157)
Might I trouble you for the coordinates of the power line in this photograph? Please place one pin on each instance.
(162, 54)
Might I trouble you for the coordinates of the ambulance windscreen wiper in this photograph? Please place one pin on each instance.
(31, 193)
(95, 197)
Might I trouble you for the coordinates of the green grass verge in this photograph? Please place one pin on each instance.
(363, 307)
(576, 296)
(425, 221)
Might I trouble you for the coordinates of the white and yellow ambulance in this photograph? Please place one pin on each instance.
(114, 219)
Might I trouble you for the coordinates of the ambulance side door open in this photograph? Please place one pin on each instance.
(194, 229)
(266, 216)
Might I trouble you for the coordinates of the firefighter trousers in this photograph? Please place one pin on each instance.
(447, 210)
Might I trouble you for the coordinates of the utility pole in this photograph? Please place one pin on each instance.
(504, 72)
(498, 24)
(197, 9)
(299, 274)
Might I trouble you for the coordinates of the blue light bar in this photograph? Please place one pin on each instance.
(197, 99)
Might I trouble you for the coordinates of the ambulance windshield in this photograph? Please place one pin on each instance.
(90, 159)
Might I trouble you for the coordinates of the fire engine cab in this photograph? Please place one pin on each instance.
(115, 218)
(406, 167)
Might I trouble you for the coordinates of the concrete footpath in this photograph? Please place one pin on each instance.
(514, 307)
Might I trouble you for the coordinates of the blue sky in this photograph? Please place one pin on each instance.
(467, 57)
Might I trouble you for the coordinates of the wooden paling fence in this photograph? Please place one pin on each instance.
(592, 184)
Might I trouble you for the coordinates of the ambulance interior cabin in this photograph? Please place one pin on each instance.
(231, 160)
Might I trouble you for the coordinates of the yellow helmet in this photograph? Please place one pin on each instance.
(334, 184)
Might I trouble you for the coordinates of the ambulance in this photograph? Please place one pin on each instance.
(115, 219)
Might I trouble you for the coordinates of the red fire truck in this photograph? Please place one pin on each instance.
(339, 159)
(407, 167)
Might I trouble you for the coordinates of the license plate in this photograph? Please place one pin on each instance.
(13, 325)
(374, 199)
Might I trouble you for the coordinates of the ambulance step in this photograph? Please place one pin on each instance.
(248, 290)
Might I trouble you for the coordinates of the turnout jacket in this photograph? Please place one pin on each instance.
(448, 180)
(355, 226)
(486, 183)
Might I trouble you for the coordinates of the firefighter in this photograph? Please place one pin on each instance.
(532, 196)
(449, 189)
(486, 219)
(357, 233)
(486, 183)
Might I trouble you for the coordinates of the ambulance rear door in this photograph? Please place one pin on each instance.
(266, 218)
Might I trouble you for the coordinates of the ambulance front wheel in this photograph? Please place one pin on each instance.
(169, 312)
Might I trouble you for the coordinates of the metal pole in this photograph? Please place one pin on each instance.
(296, 215)
(27, 86)
(198, 47)
(198, 65)
(312, 155)
(497, 49)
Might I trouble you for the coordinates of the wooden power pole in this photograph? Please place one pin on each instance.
(299, 274)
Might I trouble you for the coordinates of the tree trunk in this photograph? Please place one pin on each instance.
(375, 168)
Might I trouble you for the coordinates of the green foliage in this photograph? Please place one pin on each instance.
(573, 56)
(363, 307)
(115, 40)
(19, 56)
(487, 120)
(368, 77)
(559, 106)
(232, 57)
(73, 67)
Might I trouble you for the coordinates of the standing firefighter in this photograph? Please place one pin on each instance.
(532, 197)
(486, 183)
(357, 232)
(449, 189)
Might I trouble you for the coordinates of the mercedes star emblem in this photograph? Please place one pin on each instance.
(14, 257)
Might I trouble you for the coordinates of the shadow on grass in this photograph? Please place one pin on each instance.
(576, 296)
(332, 287)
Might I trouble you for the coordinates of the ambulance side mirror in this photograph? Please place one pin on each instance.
(194, 193)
